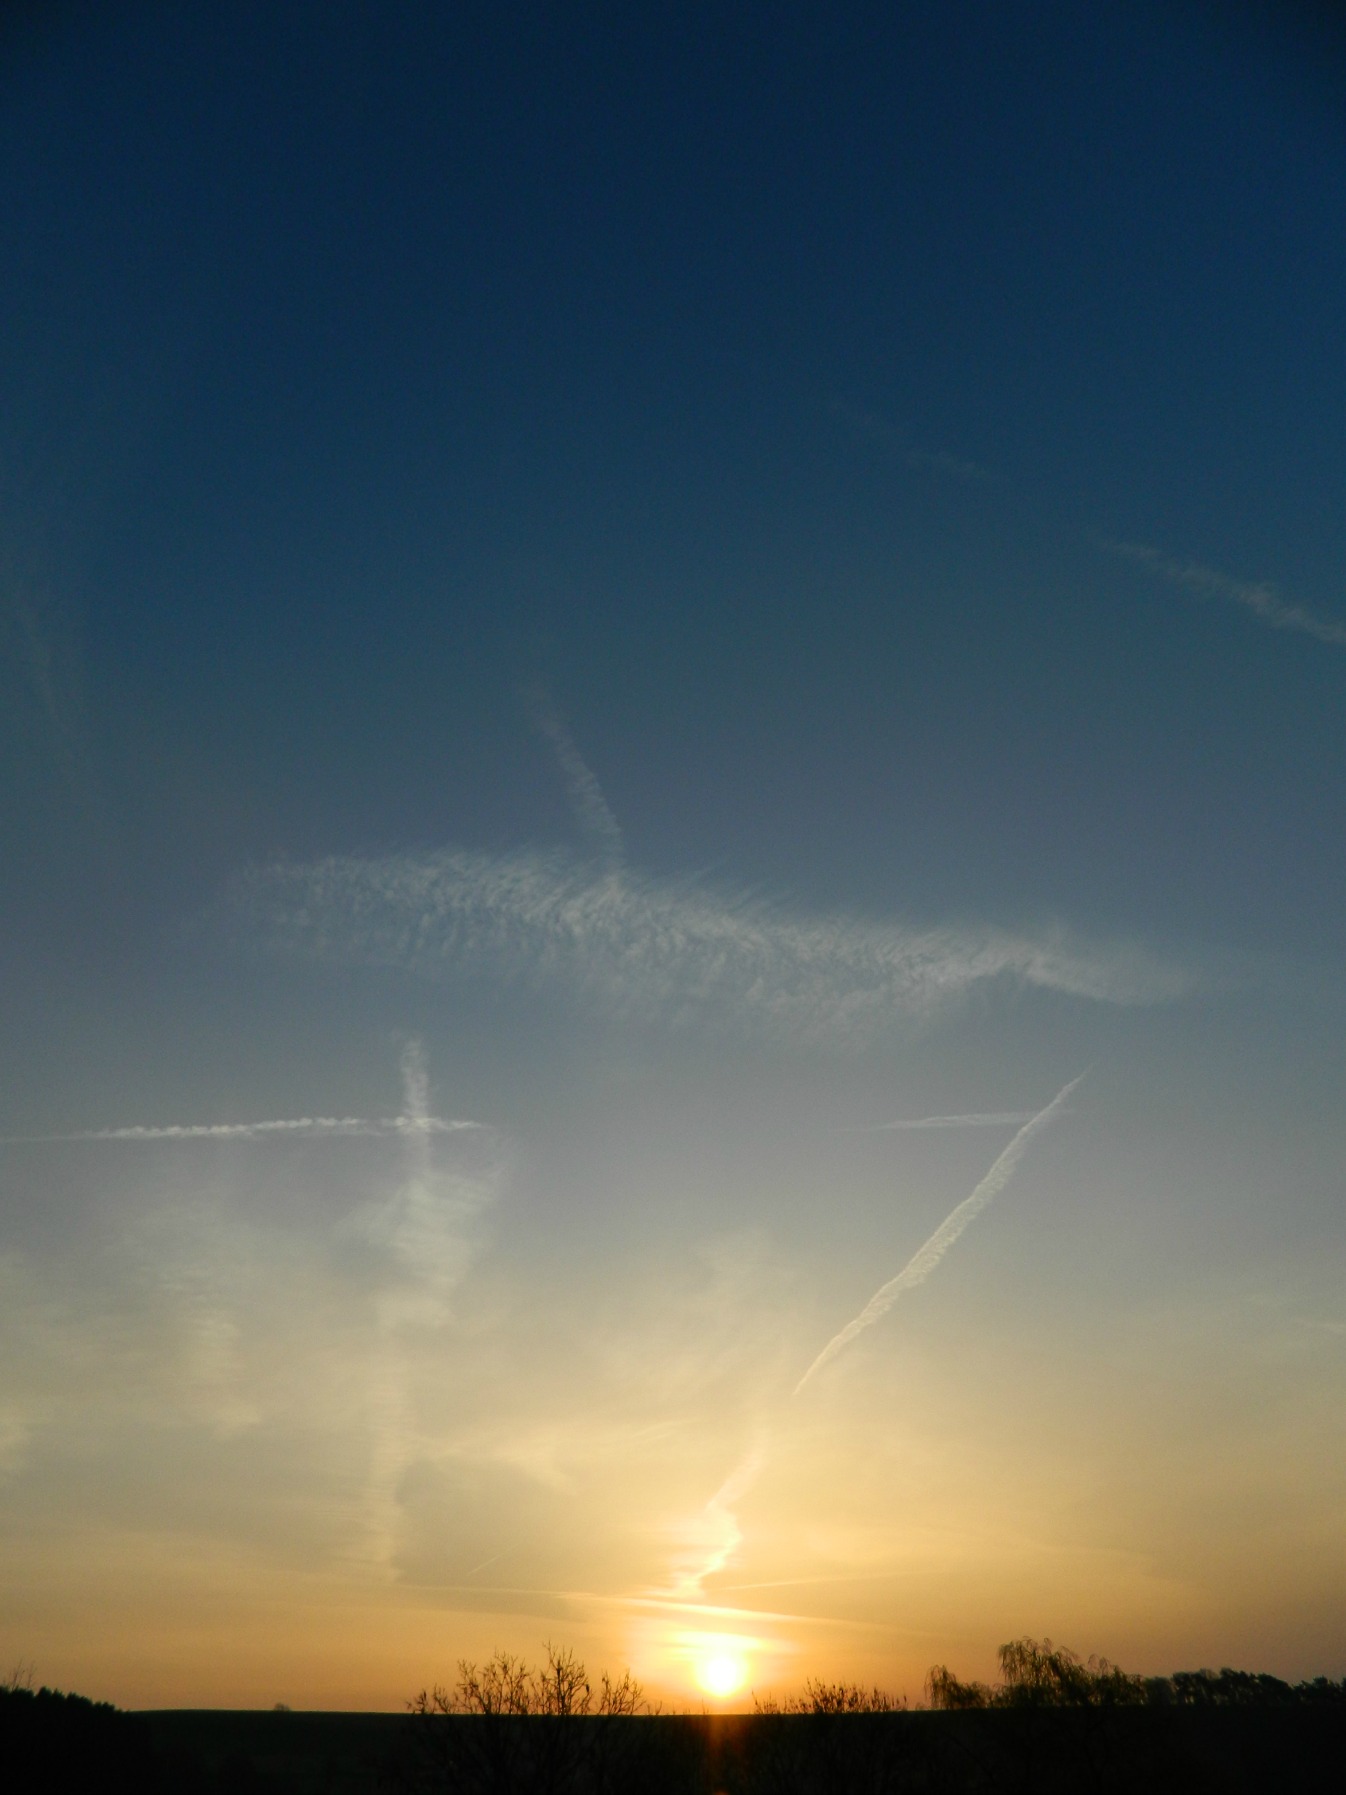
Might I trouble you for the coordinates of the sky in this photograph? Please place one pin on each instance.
(671, 768)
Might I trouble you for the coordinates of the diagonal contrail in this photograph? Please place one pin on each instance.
(920, 1266)
(591, 808)
(1255, 596)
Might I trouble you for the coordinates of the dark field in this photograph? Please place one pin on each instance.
(211, 1752)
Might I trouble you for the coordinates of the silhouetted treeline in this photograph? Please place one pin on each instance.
(53, 1742)
(1043, 1675)
(1053, 1725)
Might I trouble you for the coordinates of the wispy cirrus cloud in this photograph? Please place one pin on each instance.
(1256, 596)
(675, 949)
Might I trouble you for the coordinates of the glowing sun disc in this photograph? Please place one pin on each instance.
(721, 1673)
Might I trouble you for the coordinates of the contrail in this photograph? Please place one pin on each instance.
(301, 1127)
(992, 1119)
(486, 1563)
(715, 1534)
(414, 1125)
(1255, 596)
(582, 787)
(920, 1266)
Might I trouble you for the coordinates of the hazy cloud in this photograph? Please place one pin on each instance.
(319, 1307)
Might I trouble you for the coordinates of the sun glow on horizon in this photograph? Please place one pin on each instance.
(721, 1670)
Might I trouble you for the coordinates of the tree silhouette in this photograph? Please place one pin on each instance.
(507, 1728)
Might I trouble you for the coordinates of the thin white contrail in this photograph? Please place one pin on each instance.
(486, 1563)
(920, 1266)
(591, 808)
(301, 1127)
(987, 1119)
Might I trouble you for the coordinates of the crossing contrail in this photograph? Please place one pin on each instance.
(920, 1266)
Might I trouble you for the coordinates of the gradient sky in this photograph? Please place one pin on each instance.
(683, 592)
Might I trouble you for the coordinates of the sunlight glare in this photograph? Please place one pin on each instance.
(721, 1673)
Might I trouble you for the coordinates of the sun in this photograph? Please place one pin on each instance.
(721, 1671)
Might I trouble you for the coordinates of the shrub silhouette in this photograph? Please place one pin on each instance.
(831, 1698)
(836, 1736)
(507, 1728)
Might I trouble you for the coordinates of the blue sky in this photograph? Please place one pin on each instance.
(678, 590)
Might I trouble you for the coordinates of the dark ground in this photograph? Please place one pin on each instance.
(51, 1743)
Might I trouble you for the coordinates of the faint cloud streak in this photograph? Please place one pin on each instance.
(45, 645)
(1259, 598)
(926, 461)
(595, 819)
(1003, 1118)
